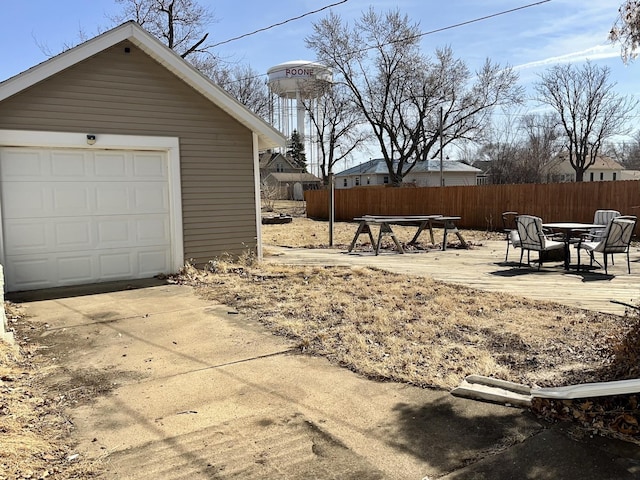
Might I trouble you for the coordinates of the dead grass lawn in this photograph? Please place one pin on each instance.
(413, 330)
(419, 331)
(381, 325)
(33, 424)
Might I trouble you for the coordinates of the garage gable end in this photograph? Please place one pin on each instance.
(132, 32)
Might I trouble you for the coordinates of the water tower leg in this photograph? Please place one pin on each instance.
(300, 114)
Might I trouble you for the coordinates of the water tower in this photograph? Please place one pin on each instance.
(292, 84)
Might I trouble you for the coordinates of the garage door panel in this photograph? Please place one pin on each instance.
(153, 261)
(150, 166)
(74, 269)
(152, 230)
(26, 236)
(23, 237)
(70, 199)
(25, 165)
(150, 198)
(114, 232)
(24, 200)
(83, 216)
(29, 272)
(75, 234)
(40, 199)
(110, 164)
(112, 199)
(116, 264)
(68, 165)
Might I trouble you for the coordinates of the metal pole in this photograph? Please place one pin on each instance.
(332, 192)
(441, 152)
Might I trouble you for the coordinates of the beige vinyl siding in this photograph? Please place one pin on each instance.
(119, 93)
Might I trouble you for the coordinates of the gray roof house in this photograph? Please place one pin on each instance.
(280, 175)
(119, 160)
(423, 174)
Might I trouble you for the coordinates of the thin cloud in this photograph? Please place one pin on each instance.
(598, 52)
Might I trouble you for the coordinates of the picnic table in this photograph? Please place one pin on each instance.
(423, 222)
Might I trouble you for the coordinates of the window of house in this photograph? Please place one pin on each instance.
(614, 175)
(368, 180)
(591, 177)
(279, 167)
(345, 182)
(385, 179)
(601, 176)
(357, 181)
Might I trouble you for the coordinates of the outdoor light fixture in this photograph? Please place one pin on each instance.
(91, 139)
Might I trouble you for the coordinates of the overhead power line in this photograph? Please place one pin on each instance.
(449, 27)
(279, 24)
(480, 19)
(371, 47)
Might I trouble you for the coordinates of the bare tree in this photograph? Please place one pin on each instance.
(541, 144)
(587, 108)
(632, 159)
(626, 153)
(337, 122)
(626, 30)
(182, 25)
(400, 91)
(245, 85)
(498, 155)
(179, 24)
(520, 148)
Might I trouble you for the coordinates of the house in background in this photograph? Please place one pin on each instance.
(283, 178)
(485, 175)
(604, 168)
(119, 160)
(423, 174)
(630, 175)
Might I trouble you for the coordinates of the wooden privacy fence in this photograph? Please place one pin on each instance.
(481, 207)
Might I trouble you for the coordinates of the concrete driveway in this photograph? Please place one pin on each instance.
(175, 387)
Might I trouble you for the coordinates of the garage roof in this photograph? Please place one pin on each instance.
(268, 136)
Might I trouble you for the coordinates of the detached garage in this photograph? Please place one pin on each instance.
(118, 160)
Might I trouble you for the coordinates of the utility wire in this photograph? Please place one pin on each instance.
(422, 34)
(480, 19)
(449, 27)
(279, 24)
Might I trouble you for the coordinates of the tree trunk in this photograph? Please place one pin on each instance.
(396, 180)
(579, 175)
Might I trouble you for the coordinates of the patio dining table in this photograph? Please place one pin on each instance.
(568, 228)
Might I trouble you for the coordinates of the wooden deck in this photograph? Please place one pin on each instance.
(483, 267)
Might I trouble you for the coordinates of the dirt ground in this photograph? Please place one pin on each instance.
(369, 321)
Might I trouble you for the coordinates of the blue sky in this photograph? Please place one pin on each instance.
(529, 39)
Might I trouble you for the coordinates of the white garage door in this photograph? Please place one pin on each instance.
(82, 216)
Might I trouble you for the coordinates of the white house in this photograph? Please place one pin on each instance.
(604, 168)
(423, 174)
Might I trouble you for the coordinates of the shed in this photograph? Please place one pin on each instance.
(119, 160)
